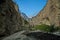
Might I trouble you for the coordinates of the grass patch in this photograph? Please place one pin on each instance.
(46, 28)
(42, 27)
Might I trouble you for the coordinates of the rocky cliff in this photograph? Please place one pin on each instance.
(10, 18)
(50, 15)
(24, 16)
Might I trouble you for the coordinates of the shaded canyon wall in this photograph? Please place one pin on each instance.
(10, 18)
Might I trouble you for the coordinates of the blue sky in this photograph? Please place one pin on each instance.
(31, 7)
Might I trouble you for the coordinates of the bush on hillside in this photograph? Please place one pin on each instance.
(46, 28)
(42, 27)
(26, 22)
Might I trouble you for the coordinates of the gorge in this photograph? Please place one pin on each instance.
(13, 26)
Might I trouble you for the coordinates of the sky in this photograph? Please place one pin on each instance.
(30, 7)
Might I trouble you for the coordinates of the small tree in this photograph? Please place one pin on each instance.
(52, 29)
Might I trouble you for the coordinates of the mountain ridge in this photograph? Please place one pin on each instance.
(49, 15)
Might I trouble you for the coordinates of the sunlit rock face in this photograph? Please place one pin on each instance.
(50, 15)
(10, 19)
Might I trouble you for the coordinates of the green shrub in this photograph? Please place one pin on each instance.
(42, 27)
(57, 28)
(46, 28)
(26, 22)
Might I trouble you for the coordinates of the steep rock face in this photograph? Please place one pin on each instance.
(49, 15)
(24, 16)
(10, 19)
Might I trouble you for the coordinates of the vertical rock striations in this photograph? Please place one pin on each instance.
(50, 15)
(10, 19)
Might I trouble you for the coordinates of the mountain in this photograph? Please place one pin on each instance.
(50, 14)
(10, 18)
(24, 16)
